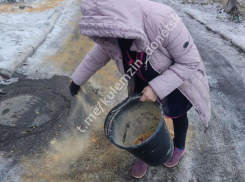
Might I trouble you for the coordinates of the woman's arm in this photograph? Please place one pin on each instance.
(181, 47)
(95, 59)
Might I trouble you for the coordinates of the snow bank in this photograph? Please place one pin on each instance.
(9, 81)
(18, 1)
(216, 20)
(21, 34)
(39, 66)
(235, 32)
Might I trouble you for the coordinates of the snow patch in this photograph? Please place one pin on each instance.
(217, 20)
(19, 33)
(9, 81)
(37, 66)
(9, 170)
(17, 1)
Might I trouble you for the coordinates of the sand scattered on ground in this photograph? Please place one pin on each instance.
(37, 6)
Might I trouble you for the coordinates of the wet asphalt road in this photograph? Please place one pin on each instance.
(58, 152)
(221, 150)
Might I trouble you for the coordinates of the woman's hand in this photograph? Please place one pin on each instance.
(148, 95)
(74, 89)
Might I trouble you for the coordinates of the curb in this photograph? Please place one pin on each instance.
(235, 42)
(27, 51)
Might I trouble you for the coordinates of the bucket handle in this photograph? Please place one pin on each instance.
(117, 108)
(113, 111)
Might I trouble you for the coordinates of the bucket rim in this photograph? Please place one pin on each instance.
(116, 110)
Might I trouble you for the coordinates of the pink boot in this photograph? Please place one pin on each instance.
(176, 156)
(139, 169)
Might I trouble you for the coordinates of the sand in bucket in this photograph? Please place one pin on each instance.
(136, 123)
(143, 137)
(147, 135)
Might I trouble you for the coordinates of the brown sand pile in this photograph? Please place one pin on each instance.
(147, 135)
(143, 137)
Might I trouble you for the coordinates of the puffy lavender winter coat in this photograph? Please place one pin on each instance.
(156, 30)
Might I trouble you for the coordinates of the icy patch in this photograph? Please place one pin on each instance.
(212, 81)
(39, 69)
(37, 66)
(9, 171)
(19, 32)
(215, 19)
(9, 81)
(18, 1)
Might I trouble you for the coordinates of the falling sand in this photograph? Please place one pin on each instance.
(76, 156)
(57, 161)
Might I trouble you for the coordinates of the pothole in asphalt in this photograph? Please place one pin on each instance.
(28, 107)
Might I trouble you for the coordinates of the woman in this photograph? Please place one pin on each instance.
(151, 38)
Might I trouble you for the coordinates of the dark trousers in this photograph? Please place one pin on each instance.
(180, 131)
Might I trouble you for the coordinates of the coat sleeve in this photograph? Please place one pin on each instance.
(95, 59)
(181, 47)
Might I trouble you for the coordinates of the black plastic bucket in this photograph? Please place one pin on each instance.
(132, 118)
